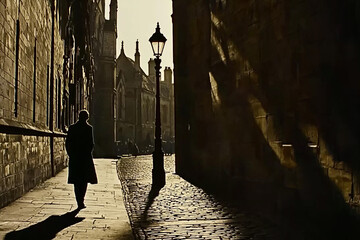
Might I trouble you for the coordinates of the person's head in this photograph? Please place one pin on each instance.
(83, 115)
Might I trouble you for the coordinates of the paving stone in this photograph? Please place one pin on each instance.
(182, 210)
(104, 218)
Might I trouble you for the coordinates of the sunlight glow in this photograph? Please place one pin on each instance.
(137, 19)
(214, 41)
(216, 102)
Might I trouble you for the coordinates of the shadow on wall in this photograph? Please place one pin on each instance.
(285, 95)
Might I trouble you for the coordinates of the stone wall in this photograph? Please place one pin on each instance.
(25, 148)
(266, 94)
(35, 27)
(24, 163)
(104, 121)
(61, 158)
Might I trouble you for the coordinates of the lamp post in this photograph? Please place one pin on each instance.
(157, 41)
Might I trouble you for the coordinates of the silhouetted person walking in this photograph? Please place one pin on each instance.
(79, 146)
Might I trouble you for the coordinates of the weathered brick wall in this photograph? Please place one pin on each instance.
(24, 163)
(61, 158)
(25, 140)
(266, 93)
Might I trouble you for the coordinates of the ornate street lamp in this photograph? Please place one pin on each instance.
(157, 41)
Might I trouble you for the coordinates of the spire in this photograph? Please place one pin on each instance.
(137, 46)
(113, 10)
(137, 55)
(122, 48)
(113, 13)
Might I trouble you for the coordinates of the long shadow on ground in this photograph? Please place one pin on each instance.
(154, 192)
(46, 229)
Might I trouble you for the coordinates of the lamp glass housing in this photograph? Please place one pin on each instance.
(157, 41)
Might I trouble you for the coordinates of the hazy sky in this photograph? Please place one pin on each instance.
(137, 20)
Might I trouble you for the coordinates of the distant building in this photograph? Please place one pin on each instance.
(136, 101)
(104, 104)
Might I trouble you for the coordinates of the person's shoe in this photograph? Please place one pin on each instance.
(81, 206)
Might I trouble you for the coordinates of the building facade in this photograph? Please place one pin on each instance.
(46, 78)
(103, 113)
(266, 94)
(136, 102)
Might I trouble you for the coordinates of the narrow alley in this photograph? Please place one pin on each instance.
(206, 119)
(179, 211)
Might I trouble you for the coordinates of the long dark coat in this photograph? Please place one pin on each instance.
(79, 146)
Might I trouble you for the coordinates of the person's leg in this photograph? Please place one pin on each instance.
(80, 191)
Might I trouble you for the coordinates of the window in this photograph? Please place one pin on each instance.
(56, 99)
(120, 104)
(47, 95)
(65, 112)
(59, 103)
(34, 90)
(153, 111)
(115, 105)
(16, 67)
(147, 110)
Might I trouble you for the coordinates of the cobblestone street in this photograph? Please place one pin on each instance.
(182, 210)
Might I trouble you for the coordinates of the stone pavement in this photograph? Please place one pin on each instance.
(181, 210)
(48, 211)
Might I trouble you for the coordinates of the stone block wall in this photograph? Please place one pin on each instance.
(25, 158)
(35, 28)
(24, 163)
(266, 97)
(61, 158)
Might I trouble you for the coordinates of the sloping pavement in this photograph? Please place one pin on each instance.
(49, 210)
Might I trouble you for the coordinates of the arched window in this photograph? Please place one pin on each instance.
(120, 103)
(147, 110)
